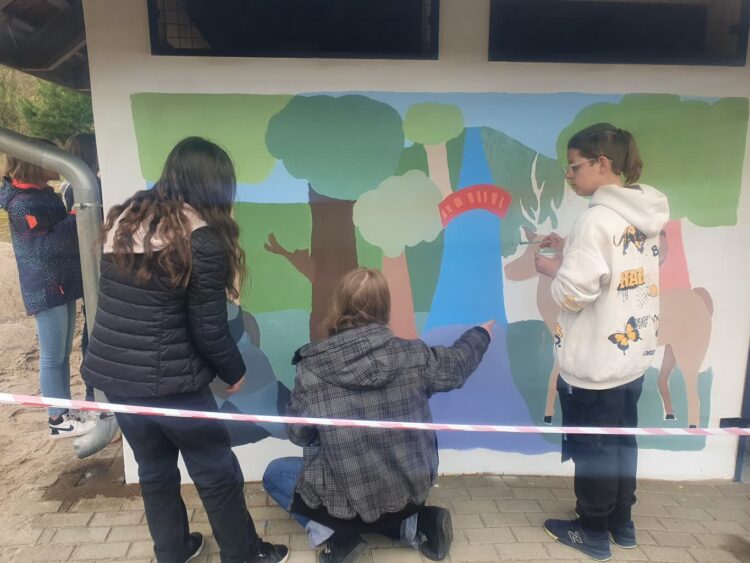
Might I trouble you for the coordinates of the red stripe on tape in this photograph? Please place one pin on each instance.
(34, 401)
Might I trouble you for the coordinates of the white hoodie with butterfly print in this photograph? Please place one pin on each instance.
(608, 288)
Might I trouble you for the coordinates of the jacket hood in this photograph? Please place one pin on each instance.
(354, 358)
(194, 222)
(643, 206)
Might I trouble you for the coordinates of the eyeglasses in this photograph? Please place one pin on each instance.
(571, 169)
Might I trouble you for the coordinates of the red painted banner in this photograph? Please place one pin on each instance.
(481, 196)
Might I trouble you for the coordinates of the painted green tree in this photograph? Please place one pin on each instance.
(433, 125)
(693, 150)
(402, 212)
(343, 146)
(424, 259)
(237, 122)
(535, 181)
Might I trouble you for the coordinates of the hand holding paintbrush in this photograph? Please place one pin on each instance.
(552, 240)
(548, 258)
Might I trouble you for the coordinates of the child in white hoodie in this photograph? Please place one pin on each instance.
(606, 282)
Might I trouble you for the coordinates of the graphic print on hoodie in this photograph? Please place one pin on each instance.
(608, 288)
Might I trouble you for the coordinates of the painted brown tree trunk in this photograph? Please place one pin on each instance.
(396, 271)
(333, 250)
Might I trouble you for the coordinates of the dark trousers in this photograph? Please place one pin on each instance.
(280, 481)
(204, 445)
(605, 466)
(84, 347)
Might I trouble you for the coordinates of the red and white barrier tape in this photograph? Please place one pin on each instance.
(33, 401)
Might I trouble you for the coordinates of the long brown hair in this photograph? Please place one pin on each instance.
(83, 145)
(23, 171)
(360, 298)
(197, 173)
(604, 139)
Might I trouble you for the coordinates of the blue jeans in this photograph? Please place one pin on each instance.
(55, 328)
(280, 480)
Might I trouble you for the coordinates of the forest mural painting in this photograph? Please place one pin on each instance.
(439, 191)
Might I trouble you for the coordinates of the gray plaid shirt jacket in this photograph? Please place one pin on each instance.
(367, 373)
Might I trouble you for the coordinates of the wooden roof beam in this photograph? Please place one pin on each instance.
(50, 46)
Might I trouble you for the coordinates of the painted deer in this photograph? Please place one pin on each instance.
(685, 319)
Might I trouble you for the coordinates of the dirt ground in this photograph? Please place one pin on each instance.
(4, 232)
(27, 455)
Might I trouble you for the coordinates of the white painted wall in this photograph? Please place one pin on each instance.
(121, 64)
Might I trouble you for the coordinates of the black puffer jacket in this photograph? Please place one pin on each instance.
(153, 340)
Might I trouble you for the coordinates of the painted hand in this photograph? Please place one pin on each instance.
(488, 326)
(232, 389)
(547, 266)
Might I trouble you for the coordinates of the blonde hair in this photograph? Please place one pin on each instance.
(360, 298)
(23, 171)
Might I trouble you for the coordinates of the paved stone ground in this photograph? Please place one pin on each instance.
(88, 514)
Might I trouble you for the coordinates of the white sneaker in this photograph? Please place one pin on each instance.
(70, 427)
(84, 416)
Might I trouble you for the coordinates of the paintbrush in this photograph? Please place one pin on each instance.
(530, 242)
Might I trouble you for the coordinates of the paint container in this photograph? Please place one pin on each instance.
(548, 252)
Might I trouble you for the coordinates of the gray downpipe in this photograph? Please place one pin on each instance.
(88, 222)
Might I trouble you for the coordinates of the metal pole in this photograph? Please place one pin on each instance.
(88, 224)
(86, 195)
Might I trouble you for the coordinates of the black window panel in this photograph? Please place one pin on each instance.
(601, 31)
(295, 28)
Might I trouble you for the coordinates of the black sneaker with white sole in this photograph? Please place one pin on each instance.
(572, 534)
(266, 552)
(196, 546)
(623, 535)
(435, 527)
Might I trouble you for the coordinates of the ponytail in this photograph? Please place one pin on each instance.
(632, 165)
(618, 145)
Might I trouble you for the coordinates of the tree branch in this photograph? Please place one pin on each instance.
(300, 259)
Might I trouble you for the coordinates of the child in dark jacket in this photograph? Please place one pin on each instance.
(356, 480)
(45, 243)
(171, 256)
